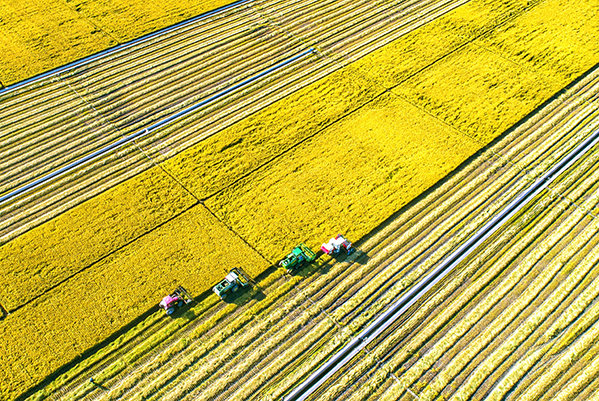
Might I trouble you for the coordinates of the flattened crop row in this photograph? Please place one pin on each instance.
(435, 391)
(57, 139)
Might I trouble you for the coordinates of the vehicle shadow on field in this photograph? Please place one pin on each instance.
(324, 263)
(243, 295)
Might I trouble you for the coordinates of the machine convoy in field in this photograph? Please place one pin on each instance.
(237, 278)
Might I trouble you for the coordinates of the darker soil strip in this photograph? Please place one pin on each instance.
(4, 312)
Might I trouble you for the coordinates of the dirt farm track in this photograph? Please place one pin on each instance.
(225, 140)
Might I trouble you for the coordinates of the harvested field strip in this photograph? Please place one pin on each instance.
(54, 252)
(432, 391)
(435, 207)
(113, 120)
(243, 147)
(84, 31)
(171, 361)
(411, 349)
(128, 122)
(56, 95)
(163, 258)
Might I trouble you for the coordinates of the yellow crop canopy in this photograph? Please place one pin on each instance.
(222, 158)
(476, 91)
(37, 36)
(51, 253)
(194, 250)
(558, 38)
(348, 178)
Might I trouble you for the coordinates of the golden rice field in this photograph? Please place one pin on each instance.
(331, 183)
(37, 36)
(87, 233)
(261, 349)
(356, 139)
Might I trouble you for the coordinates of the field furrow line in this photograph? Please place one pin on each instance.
(538, 169)
(589, 182)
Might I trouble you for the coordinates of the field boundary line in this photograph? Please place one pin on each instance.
(459, 47)
(377, 328)
(91, 22)
(201, 202)
(95, 262)
(289, 149)
(112, 50)
(151, 159)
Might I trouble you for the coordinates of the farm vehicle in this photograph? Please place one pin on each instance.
(298, 256)
(231, 283)
(176, 300)
(335, 245)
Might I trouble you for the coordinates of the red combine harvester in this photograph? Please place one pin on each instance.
(335, 245)
(177, 299)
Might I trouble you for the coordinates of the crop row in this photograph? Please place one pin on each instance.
(379, 302)
(556, 224)
(355, 323)
(429, 217)
(89, 111)
(376, 284)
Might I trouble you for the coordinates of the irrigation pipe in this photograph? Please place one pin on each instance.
(117, 48)
(397, 309)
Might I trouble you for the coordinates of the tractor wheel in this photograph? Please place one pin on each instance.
(179, 304)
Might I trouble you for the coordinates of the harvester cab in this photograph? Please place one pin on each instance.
(335, 245)
(298, 256)
(231, 283)
(174, 301)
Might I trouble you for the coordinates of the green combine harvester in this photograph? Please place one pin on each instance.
(298, 256)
